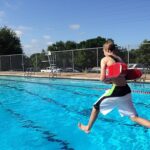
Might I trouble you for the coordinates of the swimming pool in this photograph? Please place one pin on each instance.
(42, 114)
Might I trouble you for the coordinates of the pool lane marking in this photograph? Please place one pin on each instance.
(49, 136)
(51, 100)
(58, 88)
(142, 92)
(19, 89)
(51, 84)
(71, 109)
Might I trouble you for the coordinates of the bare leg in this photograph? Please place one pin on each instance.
(141, 121)
(93, 117)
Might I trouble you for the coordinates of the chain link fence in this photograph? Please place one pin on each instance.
(11, 63)
(77, 60)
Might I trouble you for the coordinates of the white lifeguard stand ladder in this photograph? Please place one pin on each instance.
(52, 62)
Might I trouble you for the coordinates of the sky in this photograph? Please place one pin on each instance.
(39, 23)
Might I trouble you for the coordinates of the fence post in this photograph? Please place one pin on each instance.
(23, 63)
(0, 64)
(128, 54)
(36, 62)
(97, 56)
(72, 61)
(10, 63)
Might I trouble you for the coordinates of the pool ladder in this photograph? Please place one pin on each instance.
(29, 72)
(144, 76)
(142, 80)
(53, 74)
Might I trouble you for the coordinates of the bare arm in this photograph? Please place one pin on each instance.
(103, 69)
(103, 72)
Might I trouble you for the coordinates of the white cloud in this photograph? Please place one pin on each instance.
(2, 14)
(34, 41)
(82, 33)
(19, 33)
(21, 30)
(74, 26)
(24, 28)
(31, 48)
(15, 4)
(34, 46)
(26, 46)
(46, 37)
(49, 43)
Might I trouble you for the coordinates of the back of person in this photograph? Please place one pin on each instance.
(119, 96)
(111, 59)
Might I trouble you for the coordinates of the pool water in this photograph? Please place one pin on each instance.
(42, 114)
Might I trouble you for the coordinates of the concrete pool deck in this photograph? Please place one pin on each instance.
(87, 76)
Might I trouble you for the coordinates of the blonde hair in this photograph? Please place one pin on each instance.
(109, 46)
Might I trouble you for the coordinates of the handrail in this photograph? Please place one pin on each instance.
(29, 72)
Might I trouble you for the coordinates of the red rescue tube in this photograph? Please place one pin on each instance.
(120, 69)
(116, 70)
(133, 74)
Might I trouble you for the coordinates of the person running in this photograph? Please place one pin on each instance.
(118, 96)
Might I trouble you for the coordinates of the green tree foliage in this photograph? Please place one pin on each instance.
(90, 43)
(142, 54)
(82, 59)
(52, 47)
(9, 42)
(39, 60)
(27, 62)
(133, 56)
(70, 45)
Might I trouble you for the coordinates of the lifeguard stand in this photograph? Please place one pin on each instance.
(52, 63)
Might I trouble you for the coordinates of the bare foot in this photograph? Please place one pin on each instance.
(83, 128)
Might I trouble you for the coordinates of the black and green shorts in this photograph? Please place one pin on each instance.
(117, 97)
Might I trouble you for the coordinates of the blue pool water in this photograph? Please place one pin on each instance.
(42, 114)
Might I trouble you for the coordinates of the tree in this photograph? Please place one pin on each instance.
(88, 58)
(9, 42)
(142, 54)
(81, 59)
(70, 45)
(39, 60)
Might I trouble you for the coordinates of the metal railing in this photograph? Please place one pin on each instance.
(29, 72)
(82, 60)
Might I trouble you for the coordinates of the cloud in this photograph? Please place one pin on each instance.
(31, 48)
(34, 41)
(46, 37)
(27, 46)
(21, 30)
(24, 28)
(74, 26)
(82, 33)
(34, 46)
(19, 33)
(2, 14)
(15, 4)
(49, 43)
